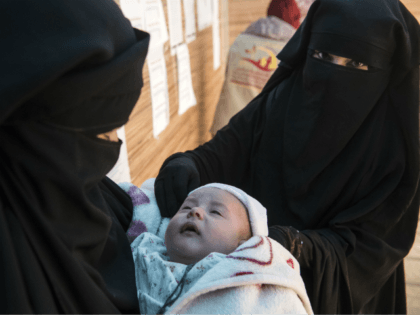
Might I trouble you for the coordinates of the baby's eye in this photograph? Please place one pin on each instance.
(215, 211)
(322, 55)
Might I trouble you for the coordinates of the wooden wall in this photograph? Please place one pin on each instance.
(244, 12)
(413, 6)
(146, 154)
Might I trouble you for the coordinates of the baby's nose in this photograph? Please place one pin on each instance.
(197, 212)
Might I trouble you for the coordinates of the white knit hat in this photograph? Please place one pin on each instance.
(256, 212)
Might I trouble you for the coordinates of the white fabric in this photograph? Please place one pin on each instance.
(146, 214)
(304, 6)
(256, 212)
(260, 276)
(271, 27)
(251, 62)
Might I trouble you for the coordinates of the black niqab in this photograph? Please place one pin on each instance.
(70, 70)
(333, 152)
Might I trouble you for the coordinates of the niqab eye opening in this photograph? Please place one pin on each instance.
(342, 61)
(111, 136)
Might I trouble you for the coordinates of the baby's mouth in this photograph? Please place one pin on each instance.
(189, 226)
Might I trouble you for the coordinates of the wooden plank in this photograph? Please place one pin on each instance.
(415, 251)
(145, 153)
(412, 270)
(413, 6)
(413, 299)
(242, 13)
(191, 129)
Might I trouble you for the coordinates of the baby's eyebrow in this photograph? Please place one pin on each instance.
(220, 205)
(191, 199)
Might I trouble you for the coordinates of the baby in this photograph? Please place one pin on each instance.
(198, 256)
(212, 218)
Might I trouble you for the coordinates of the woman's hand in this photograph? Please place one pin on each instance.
(173, 183)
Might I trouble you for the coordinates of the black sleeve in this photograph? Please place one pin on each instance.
(346, 265)
(119, 202)
(226, 158)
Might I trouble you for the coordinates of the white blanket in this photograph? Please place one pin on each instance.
(260, 276)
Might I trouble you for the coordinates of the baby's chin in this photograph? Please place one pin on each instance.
(188, 256)
(184, 259)
(184, 249)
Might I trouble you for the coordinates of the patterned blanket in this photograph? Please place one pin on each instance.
(260, 276)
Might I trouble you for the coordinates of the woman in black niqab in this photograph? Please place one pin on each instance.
(332, 152)
(70, 70)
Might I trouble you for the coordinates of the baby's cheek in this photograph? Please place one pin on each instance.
(170, 231)
(230, 239)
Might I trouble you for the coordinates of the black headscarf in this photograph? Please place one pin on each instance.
(69, 71)
(334, 152)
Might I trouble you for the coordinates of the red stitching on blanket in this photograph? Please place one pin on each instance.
(253, 246)
(259, 262)
(290, 263)
(242, 273)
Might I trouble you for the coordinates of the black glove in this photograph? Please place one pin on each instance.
(173, 183)
(289, 237)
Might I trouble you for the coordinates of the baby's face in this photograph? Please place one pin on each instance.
(209, 220)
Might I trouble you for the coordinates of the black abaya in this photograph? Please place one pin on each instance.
(70, 70)
(333, 153)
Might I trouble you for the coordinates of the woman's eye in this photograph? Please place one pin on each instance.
(356, 64)
(322, 55)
